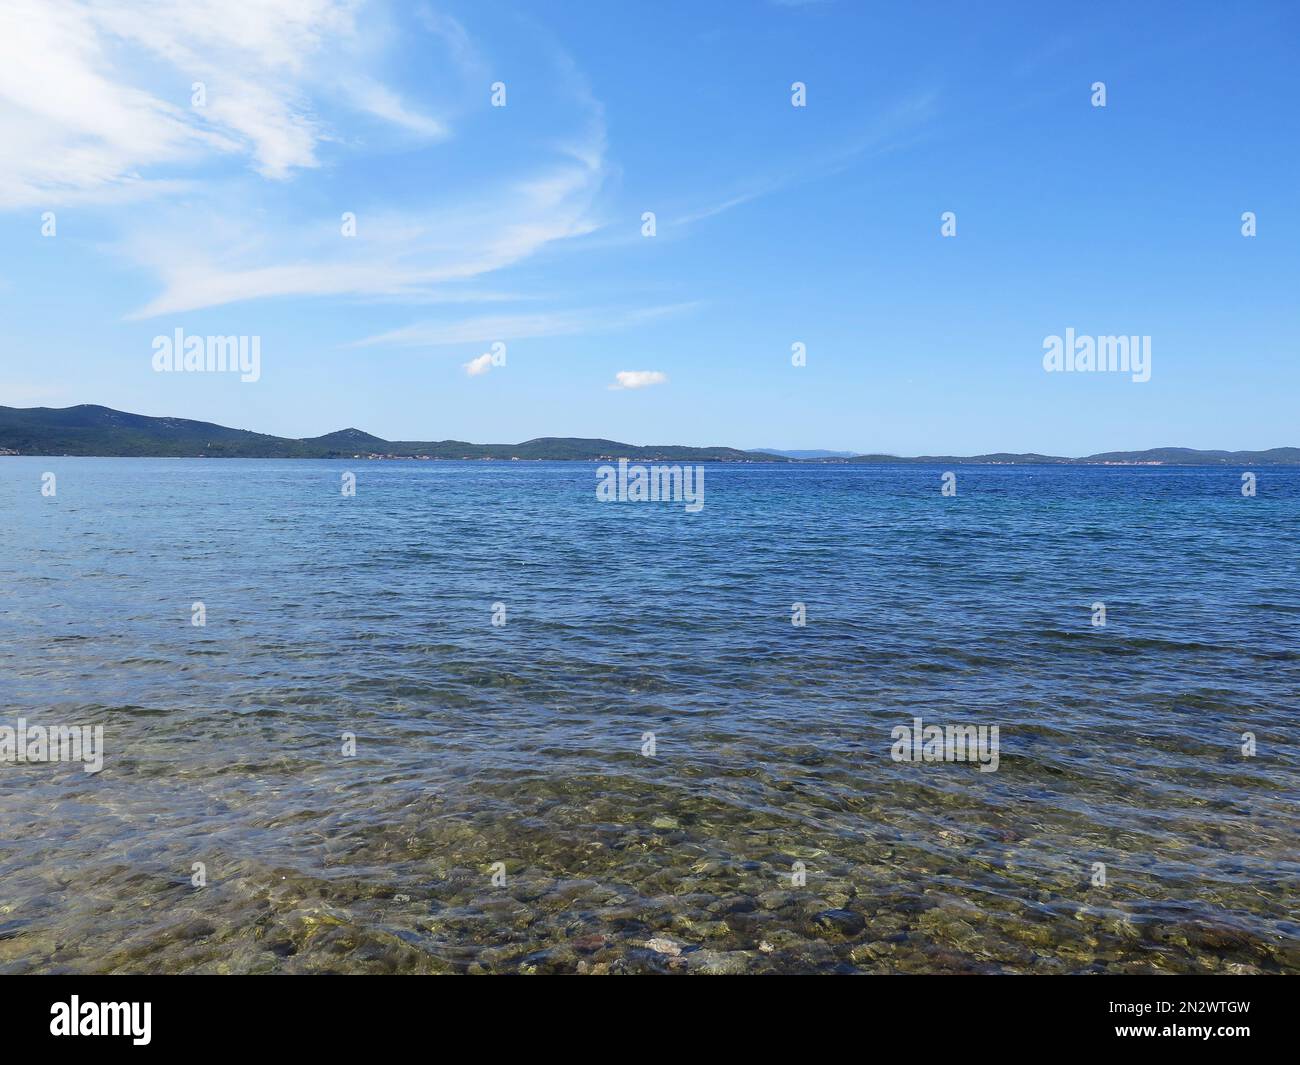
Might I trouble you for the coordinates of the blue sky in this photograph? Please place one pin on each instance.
(774, 224)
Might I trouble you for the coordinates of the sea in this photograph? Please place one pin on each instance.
(468, 717)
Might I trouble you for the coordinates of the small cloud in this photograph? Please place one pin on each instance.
(479, 366)
(638, 379)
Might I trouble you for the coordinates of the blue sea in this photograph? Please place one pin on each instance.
(473, 720)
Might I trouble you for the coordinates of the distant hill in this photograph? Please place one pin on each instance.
(94, 430)
(1278, 456)
(1156, 456)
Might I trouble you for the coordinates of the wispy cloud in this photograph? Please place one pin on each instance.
(97, 96)
(881, 134)
(701, 213)
(90, 111)
(379, 100)
(95, 108)
(518, 326)
(395, 253)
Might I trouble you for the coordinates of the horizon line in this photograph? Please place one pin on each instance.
(788, 454)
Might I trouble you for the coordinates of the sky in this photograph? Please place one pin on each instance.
(189, 166)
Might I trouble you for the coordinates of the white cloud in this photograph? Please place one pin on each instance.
(638, 379)
(481, 365)
(79, 115)
(433, 238)
(95, 107)
(395, 253)
(64, 122)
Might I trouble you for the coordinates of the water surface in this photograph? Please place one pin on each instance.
(522, 744)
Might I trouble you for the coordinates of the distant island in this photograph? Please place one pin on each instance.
(90, 430)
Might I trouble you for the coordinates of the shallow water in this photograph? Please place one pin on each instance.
(522, 744)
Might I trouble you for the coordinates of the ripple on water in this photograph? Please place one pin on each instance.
(769, 832)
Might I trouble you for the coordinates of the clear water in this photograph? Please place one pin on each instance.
(522, 744)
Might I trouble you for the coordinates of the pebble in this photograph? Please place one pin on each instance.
(840, 922)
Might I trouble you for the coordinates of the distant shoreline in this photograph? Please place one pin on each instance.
(90, 431)
(883, 463)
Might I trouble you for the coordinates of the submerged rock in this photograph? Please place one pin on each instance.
(590, 943)
(844, 923)
(718, 963)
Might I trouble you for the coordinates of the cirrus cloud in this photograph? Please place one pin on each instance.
(95, 97)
